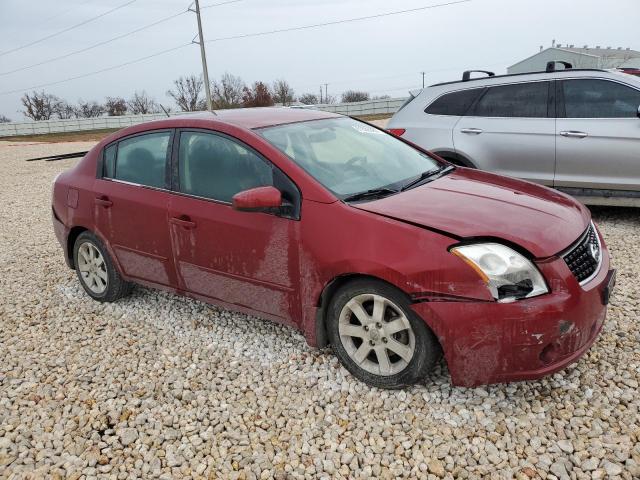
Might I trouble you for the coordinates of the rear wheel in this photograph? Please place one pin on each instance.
(377, 336)
(96, 270)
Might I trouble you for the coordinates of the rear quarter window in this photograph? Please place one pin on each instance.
(455, 103)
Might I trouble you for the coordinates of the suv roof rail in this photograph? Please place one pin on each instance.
(510, 75)
(551, 66)
(466, 76)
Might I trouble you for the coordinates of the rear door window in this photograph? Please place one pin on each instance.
(455, 103)
(141, 159)
(525, 100)
(590, 98)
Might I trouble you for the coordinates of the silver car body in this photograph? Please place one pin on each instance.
(595, 159)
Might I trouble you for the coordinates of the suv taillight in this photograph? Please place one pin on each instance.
(398, 132)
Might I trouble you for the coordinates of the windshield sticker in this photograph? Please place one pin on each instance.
(366, 129)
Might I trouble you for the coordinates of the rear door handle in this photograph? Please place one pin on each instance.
(103, 202)
(574, 134)
(183, 221)
(472, 131)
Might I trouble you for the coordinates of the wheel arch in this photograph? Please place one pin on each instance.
(74, 233)
(455, 158)
(327, 294)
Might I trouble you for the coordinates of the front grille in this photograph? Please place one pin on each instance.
(583, 257)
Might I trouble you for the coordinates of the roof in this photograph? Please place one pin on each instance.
(261, 116)
(621, 53)
(610, 53)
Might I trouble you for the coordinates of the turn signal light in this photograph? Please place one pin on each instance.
(398, 132)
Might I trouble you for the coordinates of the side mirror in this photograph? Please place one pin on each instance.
(638, 112)
(259, 199)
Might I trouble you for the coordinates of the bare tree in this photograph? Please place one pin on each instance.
(257, 96)
(65, 110)
(308, 99)
(89, 109)
(115, 106)
(142, 103)
(4, 119)
(355, 96)
(228, 93)
(39, 105)
(282, 92)
(187, 93)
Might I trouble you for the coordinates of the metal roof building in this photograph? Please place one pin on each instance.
(579, 57)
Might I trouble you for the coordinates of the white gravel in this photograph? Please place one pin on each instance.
(161, 386)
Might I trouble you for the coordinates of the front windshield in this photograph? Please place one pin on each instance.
(348, 156)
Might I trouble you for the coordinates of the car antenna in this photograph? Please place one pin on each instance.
(164, 110)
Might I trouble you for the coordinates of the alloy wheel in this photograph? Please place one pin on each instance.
(376, 334)
(93, 268)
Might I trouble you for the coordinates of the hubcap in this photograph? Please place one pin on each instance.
(376, 334)
(93, 269)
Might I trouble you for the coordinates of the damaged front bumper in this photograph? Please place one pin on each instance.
(490, 342)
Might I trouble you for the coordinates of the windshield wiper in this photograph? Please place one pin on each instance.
(428, 175)
(374, 192)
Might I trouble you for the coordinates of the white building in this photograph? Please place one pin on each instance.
(584, 57)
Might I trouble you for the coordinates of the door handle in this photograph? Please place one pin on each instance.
(183, 222)
(103, 202)
(574, 134)
(472, 131)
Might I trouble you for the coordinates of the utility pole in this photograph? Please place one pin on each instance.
(203, 55)
(326, 95)
(320, 94)
(422, 78)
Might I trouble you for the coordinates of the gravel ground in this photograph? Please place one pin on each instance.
(161, 386)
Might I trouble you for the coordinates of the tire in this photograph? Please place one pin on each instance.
(96, 271)
(398, 329)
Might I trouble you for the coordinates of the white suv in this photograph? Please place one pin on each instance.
(575, 130)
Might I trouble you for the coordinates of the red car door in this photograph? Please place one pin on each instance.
(130, 212)
(247, 259)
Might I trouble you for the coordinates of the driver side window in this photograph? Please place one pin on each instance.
(216, 167)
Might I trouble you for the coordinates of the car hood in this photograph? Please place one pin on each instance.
(470, 203)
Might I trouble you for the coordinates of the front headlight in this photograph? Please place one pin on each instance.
(508, 275)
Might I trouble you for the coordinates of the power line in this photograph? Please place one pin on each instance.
(113, 39)
(84, 22)
(63, 12)
(162, 52)
(157, 54)
(218, 4)
(336, 22)
(95, 45)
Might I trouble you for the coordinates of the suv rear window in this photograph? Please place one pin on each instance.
(527, 100)
(455, 103)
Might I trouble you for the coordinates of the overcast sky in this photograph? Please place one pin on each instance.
(382, 55)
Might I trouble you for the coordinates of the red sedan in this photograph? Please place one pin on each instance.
(357, 238)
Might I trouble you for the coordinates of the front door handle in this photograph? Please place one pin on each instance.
(574, 134)
(472, 131)
(183, 221)
(103, 202)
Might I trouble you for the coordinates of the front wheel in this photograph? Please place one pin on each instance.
(96, 270)
(377, 337)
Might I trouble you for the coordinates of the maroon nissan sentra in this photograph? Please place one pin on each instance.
(357, 238)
